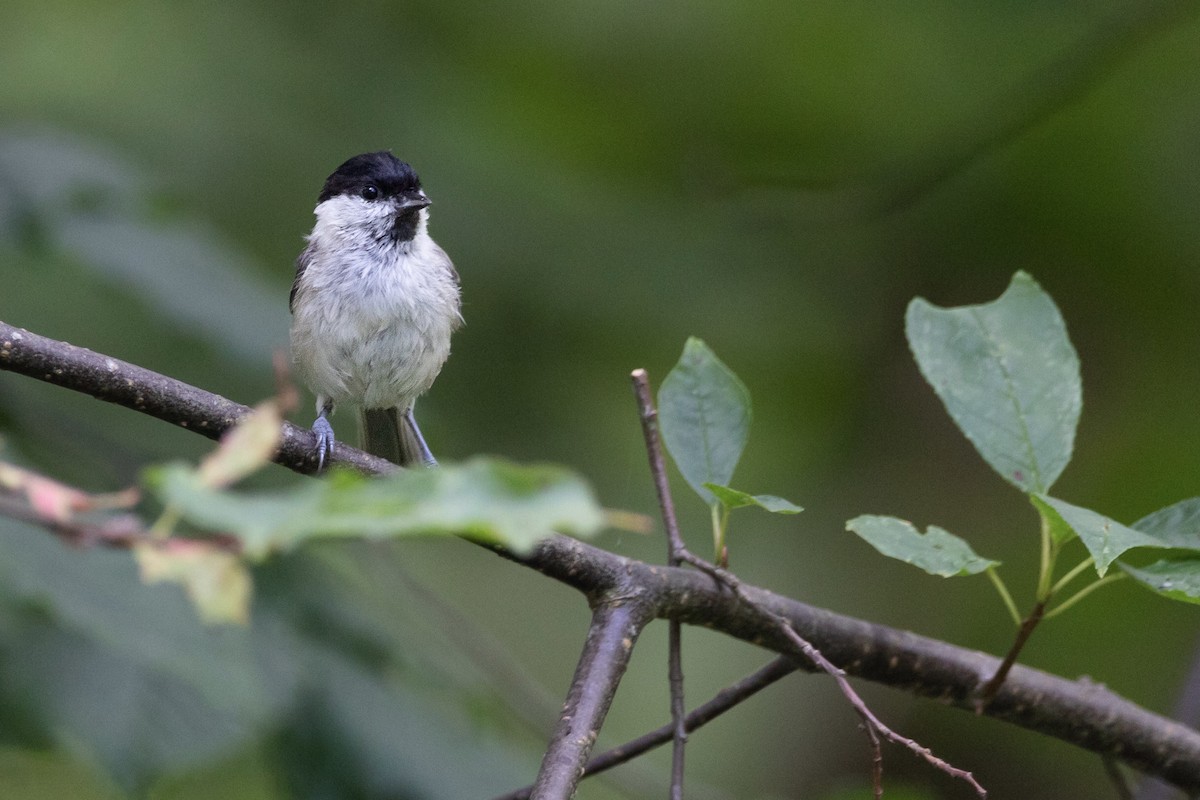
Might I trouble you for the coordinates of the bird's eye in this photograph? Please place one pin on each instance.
(369, 192)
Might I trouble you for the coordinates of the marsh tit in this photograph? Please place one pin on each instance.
(374, 303)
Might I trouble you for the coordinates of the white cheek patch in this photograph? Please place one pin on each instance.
(351, 217)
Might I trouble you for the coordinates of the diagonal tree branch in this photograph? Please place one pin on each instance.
(1082, 713)
(616, 625)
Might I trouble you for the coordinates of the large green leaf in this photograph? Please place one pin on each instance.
(936, 551)
(1178, 527)
(1178, 580)
(487, 499)
(1104, 538)
(704, 414)
(1009, 377)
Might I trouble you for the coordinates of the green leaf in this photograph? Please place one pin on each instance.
(1176, 525)
(1105, 539)
(1009, 377)
(1178, 580)
(487, 499)
(1060, 531)
(936, 551)
(704, 414)
(732, 498)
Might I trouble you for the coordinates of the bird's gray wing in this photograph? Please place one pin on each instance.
(301, 266)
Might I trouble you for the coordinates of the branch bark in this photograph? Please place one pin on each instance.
(115, 381)
(616, 625)
(1082, 713)
(727, 698)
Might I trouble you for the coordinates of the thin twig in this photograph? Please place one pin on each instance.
(723, 701)
(121, 531)
(117, 531)
(1005, 595)
(872, 725)
(679, 733)
(675, 546)
(1111, 577)
(1026, 630)
(658, 467)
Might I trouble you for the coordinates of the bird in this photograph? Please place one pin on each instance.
(374, 304)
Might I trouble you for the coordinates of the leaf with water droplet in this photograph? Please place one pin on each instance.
(1105, 539)
(1177, 525)
(1178, 579)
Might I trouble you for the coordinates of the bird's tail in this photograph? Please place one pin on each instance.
(387, 433)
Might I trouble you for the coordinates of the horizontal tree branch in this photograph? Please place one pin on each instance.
(115, 381)
(1081, 712)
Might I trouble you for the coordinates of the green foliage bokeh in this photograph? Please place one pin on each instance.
(777, 178)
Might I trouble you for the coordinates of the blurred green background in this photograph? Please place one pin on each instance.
(777, 178)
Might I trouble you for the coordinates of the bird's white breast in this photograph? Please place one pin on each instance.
(372, 318)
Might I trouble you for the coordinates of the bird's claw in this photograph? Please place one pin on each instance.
(325, 440)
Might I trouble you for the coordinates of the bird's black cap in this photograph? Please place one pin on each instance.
(382, 170)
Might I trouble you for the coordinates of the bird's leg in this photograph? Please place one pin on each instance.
(411, 422)
(324, 432)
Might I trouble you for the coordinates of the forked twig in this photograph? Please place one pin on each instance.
(723, 701)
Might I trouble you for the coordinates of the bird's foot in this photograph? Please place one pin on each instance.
(325, 440)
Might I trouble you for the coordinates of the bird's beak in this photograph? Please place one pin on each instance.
(413, 200)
